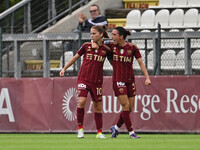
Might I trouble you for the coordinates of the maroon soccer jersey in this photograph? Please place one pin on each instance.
(92, 66)
(123, 61)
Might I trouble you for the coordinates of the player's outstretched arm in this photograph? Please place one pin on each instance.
(144, 70)
(71, 62)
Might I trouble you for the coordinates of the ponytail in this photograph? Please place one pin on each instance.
(105, 33)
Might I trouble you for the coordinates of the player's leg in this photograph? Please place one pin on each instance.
(98, 118)
(96, 94)
(131, 94)
(82, 94)
(132, 103)
(80, 111)
(120, 121)
(80, 116)
(131, 91)
(119, 89)
(124, 101)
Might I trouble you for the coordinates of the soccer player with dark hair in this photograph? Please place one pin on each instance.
(90, 77)
(123, 77)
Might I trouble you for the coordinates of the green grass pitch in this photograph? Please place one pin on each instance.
(123, 142)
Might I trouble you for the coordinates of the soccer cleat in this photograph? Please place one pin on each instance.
(114, 132)
(80, 133)
(100, 136)
(134, 136)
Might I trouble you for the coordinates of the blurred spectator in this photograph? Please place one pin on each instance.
(86, 24)
(96, 19)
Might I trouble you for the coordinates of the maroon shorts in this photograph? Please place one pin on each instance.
(83, 87)
(123, 88)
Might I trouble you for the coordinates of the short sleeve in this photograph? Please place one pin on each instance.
(81, 51)
(137, 52)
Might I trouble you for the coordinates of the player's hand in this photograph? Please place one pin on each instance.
(147, 82)
(62, 72)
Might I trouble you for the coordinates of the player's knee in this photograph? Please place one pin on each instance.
(125, 106)
(81, 104)
(97, 109)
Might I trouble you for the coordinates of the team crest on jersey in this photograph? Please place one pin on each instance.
(129, 52)
(114, 49)
(121, 90)
(96, 50)
(121, 51)
(89, 48)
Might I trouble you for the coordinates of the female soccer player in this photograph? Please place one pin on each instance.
(90, 77)
(123, 77)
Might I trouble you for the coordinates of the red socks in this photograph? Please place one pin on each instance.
(120, 122)
(80, 117)
(124, 118)
(127, 120)
(99, 122)
(97, 116)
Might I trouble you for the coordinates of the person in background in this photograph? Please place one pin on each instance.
(86, 24)
(90, 77)
(96, 19)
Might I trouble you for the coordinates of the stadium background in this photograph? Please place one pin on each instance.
(33, 48)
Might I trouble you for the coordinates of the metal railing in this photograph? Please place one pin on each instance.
(27, 16)
(52, 14)
(8, 17)
(22, 40)
(165, 41)
(149, 42)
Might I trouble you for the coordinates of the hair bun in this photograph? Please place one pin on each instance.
(128, 32)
